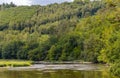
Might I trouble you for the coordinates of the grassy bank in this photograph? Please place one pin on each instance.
(14, 63)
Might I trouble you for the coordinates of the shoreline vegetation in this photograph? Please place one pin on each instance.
(24, 63)
(15, 63)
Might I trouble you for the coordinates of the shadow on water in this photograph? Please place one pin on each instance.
(56, 71)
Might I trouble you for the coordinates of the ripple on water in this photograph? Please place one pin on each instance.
(40, 67)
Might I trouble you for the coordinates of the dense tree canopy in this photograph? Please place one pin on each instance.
(44, 32)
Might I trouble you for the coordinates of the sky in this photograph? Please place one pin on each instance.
(33, 2)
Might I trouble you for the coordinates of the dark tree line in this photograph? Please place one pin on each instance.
(6, 5)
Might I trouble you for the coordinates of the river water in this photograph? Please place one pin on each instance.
(57, 71)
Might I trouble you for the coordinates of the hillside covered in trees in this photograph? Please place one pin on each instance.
(80, 30)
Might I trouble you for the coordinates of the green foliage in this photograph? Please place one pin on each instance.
(101, 34)
(14, 63)
(10, 50)
(16, 18)
(115, 69)
(43, 32)
(6, 5)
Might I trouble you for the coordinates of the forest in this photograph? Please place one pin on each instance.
(82, 30)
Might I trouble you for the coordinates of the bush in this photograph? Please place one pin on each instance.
(115, 69)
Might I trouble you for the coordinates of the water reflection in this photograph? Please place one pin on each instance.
(54, 73)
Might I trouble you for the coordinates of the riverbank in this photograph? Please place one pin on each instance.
(56, 71)
(22, 63)
(15, 63)
(61, 62)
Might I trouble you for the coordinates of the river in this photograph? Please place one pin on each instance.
(57, 71)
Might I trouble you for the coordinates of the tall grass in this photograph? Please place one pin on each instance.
(14, 63)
